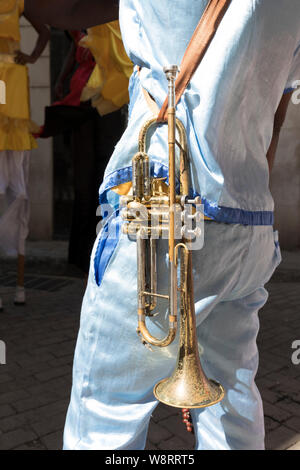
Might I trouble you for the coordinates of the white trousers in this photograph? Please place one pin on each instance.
(14, 201)
(114, 374)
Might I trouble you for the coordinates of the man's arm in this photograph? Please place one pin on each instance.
(72, 14)
(42, 41)
(278, 123)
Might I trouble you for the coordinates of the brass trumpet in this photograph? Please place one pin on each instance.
(152, 199)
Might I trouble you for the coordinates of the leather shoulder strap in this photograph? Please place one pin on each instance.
(199, 43)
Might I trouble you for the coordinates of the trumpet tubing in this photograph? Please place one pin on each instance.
(150, 214)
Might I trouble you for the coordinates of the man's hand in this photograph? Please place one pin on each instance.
(72, 14)
(22, 59)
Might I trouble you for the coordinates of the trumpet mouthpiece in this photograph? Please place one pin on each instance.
(171, 71)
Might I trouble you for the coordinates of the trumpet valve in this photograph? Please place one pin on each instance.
(191, 234)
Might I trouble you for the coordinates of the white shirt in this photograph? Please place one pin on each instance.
(229, 107)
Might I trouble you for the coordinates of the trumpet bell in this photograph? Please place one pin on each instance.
(188, 387)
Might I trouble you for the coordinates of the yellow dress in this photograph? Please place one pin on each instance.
(108, 84)
(15, 123)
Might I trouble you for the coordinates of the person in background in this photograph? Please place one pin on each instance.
(69, 116)
(93, 112)
(16, 139)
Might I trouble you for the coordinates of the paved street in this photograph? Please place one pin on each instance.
(40, 339)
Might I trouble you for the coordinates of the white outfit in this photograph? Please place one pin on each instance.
(114, 374)
(14, 206)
